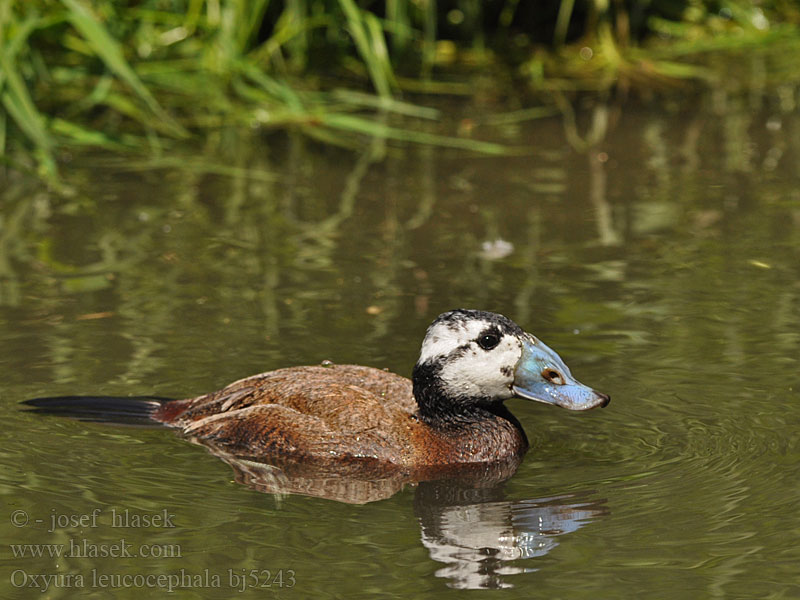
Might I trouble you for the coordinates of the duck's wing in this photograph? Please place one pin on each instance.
(325, 413)
(310, 390)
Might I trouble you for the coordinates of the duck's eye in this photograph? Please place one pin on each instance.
(553, 376)
(487, 341)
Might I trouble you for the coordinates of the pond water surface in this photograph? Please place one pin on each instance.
(662, 262)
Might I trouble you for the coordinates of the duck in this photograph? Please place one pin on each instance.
(451, 412)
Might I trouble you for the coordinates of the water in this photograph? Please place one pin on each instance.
(662, 262)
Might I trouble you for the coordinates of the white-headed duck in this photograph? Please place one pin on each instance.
(450, 412)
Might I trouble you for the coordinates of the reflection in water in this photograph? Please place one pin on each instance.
(465, 521)
(353, 483)
(477, 534)
(667, 240)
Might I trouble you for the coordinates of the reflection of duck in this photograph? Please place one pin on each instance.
(482, 537)
(351, 482)
(452, 412)
(479, 536)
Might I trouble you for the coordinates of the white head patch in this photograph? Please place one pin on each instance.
(467, 369)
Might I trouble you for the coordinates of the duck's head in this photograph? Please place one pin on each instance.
(472, 358)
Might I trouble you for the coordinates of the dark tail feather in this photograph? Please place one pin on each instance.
(135, 410)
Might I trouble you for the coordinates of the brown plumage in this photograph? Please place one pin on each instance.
(336, 413)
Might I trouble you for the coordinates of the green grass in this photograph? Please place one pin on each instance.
(148, 76)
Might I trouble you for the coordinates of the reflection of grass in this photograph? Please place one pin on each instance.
(279, 244)
(140, 76)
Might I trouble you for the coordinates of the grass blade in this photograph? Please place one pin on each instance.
(82, 136)
(355, 124)
(110, 52)
(18, 104)
(354, 98)
(370, 46)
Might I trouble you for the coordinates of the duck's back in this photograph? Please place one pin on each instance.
(331, 412)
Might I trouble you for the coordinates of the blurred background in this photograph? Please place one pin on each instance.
(196, 191)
